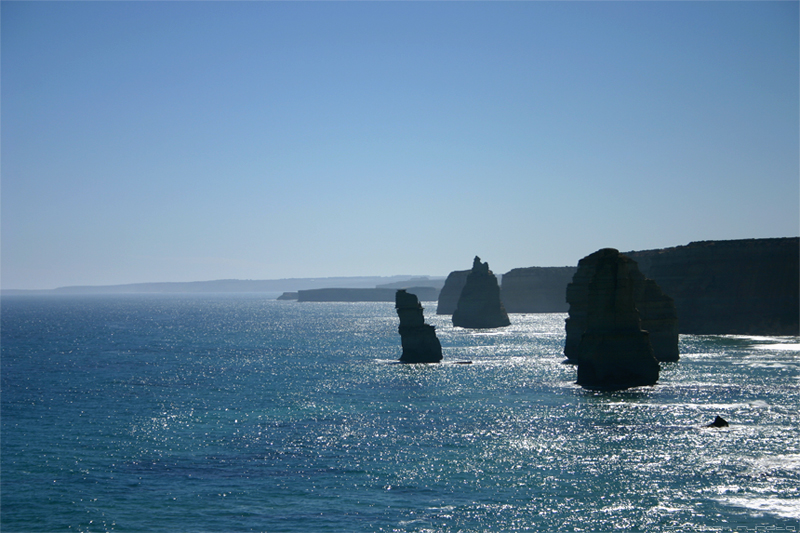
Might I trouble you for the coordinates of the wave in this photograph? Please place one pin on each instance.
(782, 507)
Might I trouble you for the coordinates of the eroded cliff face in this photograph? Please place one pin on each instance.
(745, 287)
(657, 315)
(536, 289)
(613, 352)
(448, 296)
(479, 305)
(419, 341)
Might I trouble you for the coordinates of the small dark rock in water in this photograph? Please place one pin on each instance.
(718, 422)
(420, 344)
(479, 305)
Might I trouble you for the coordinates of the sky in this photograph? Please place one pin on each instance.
(188, 141)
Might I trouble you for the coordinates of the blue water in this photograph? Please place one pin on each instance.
(241, 413)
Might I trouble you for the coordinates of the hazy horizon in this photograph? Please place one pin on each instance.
(337, 280)
(180, 141)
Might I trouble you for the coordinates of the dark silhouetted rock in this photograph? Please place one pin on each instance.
(536, 289)
(657, 316)
(743, 287)
(657, 313)
(479, 305)
(448, 296)
(419, 341)
(718, 422)
(613, 353)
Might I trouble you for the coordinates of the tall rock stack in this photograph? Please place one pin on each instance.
(613, 352)
(420, 344)
(657, 313)
(578, 300)
(479, 305)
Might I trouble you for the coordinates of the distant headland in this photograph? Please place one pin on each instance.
(236, 285)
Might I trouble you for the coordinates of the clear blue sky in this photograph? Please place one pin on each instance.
(182, 141)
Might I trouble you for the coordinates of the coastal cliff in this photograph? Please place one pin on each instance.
(448, 296)
(657, 315)
(479, 305)
(744, 287)
(363, 295)
(536, 289)
(286, 296)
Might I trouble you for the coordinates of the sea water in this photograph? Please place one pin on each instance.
(242, 413)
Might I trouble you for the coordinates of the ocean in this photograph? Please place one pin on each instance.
(228, 413)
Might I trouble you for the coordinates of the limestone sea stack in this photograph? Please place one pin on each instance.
(420, 344)
(657, 313)
(613, 353)
(479, 305)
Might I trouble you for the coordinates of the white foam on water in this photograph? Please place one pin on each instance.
(612, 509)
(446, 508)
(778, 462)
(726, 489)
(783, 507)
(758, 338)
(755, 404)
(410, 522)
(769, 365)
(665, 508)
(788, 346)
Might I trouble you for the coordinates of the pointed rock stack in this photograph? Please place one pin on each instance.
(420, 344)
(479, 305)
(604, 333)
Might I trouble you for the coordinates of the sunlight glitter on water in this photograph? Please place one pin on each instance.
(255, 415)
(787, 346)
